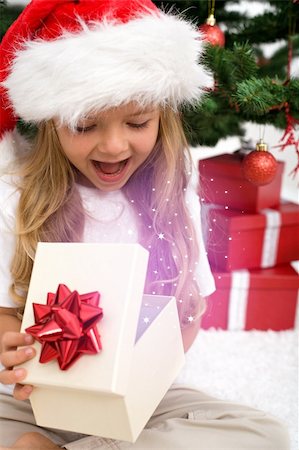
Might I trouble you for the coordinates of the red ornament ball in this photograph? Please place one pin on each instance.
(213, 34)
(259, 167)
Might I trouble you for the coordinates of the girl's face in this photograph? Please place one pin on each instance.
(109, 147)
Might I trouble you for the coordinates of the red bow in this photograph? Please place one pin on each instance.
(66, 326)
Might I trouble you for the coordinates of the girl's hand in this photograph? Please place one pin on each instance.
(11, 356)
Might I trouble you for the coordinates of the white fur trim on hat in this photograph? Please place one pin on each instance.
(150, 59)
(12, 146)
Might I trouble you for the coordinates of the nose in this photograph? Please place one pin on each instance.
(112, 142)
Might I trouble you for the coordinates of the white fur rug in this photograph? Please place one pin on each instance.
(256, 368)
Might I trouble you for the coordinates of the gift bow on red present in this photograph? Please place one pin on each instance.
(66, 326)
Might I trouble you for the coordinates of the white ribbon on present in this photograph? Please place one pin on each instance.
(271, 237)
(238, 299)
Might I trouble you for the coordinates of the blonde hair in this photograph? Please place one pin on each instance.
(50, 209)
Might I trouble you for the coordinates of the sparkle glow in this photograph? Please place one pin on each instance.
(162, 236)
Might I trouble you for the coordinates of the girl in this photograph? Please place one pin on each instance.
(103, 81)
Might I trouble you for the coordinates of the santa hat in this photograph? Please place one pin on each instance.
(67, 58)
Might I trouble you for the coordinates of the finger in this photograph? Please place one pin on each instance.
(22, 391)
(13, 376)
(16, 357)
(12, 339)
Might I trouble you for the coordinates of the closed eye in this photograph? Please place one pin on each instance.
(138, 125)
(79, 129)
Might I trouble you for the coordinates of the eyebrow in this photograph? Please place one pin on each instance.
(142, 111)
(134, 114)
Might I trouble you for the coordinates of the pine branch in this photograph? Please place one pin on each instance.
(257, 96)
(230, 66)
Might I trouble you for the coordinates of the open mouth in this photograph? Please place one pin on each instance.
(106, 170)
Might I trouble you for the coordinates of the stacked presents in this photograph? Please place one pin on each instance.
(251, 238)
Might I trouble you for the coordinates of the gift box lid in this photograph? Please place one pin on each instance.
(239, 220)
(117, 272)
(279, 278)
(228, 165)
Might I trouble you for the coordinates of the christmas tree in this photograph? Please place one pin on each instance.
(248, 86)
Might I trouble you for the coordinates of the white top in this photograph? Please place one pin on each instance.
(109, 218)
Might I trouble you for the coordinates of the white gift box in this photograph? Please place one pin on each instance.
(112, 393)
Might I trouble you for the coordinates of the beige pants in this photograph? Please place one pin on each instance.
(186, 419)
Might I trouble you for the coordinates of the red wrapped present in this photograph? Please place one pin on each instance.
(237, 240)
(257, 299)
(222, 182)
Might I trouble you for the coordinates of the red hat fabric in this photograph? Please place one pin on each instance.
(66, 59)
